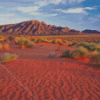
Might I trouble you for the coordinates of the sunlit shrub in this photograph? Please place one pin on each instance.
(66, 55)
(8, 57)
(1, 46)
(6, 46)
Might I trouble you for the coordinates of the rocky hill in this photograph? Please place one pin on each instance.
(34, 27)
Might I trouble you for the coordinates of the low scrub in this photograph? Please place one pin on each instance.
(81, 51)
(66, 55)
(1, 46)
(11, 38)
(98, 59)
(41, 40)
(25, 43)
(6, 46)
(89, 46)
(8, 57)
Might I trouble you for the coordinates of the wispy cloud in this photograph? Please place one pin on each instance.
(11, 18)
(49, 15)
(76, 10)
(26, 9)
(35, 13)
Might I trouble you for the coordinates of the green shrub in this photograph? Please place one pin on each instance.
(66, 54)
(5, 40)
(25, 42)
(74, 43)
(70, 45)
(33, 39)
(98, 58)
(83, 51)
(53, 41)
(11, 38)
(65, 41)
(8, 57)
(28, 43)
(92, 47)
(75, 54)
(89, 46)
(84, 44)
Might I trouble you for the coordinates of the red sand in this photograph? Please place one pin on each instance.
(48, 80)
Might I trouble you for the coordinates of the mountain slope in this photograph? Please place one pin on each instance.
(34, 27)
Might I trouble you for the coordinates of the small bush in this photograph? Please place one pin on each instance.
(8, 57)
(67, 54)
(75, 54)
(92, 47)
(98, 59)
(83, 51)
(11, 38)
(6, 46)
(84, 44)
(53, 41)
(25, 42)
(74, 43)
(5, 40)
(1, 46)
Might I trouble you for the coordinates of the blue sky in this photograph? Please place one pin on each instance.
(75, 14)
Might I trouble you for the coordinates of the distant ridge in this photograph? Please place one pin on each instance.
(34, 27)
(90, 31)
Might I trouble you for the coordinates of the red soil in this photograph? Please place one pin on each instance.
(48, 80)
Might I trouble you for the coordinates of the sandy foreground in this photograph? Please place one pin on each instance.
(48, 80)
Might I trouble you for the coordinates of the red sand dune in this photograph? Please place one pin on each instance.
(48, 80)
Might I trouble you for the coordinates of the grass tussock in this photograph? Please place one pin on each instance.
(1, 46)
(8, 57)
(25, 43)
(6, 46)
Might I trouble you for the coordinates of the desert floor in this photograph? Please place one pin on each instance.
(35, 76)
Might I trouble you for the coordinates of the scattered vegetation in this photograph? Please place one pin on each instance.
(1, 46)
(66, 54)
(8, 57)
(25, 43)
(11, 38)
(6, 46)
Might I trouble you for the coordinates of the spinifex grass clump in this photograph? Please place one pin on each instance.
(84, 44)
(11, 38)
(92, 47)
(53, 41)
(89, 46)
(6, 46)
(41, 40)
(66, 55)
(8, 57)
(1, 46)
(25, 42)
(81, 51)
(98, 59)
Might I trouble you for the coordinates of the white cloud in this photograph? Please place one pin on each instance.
(7, 14)
(75, 10)
(27, 9)
(35, 13)
(49, 15)
(11, 18)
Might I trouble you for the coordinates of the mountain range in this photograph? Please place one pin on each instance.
(34, 27)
